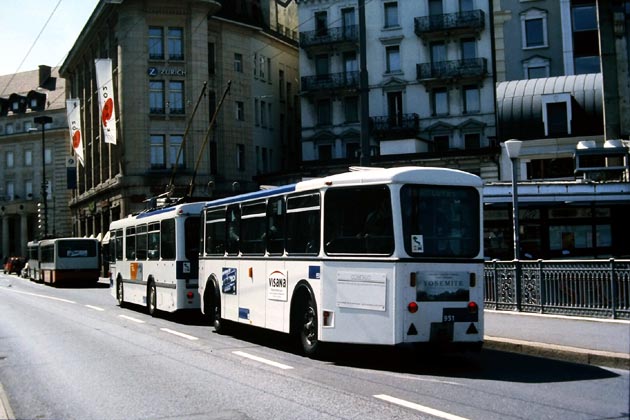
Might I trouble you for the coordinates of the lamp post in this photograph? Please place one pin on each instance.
(43, 120)
(513, 148)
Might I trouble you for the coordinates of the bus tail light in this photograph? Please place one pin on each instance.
(412, 279)
(473, 308)
(189, 295)
(412, 307)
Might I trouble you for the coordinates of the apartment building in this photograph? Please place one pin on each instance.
(430, 82)
(172, 65)
(34, 154)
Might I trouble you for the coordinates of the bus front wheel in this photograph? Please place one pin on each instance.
(308, 328)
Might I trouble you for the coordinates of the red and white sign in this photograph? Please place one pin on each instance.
(73, 112)
(105, 87)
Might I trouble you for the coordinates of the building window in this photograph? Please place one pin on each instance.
(176, 97)
(175, 144)
(469, 48)
(393, 58)
(211, 59)
(10, 129)
(321, 23)
(156, 43)
(587, 65)
(472, 141)
(263, 114)
(270, 122)
(10, 160)
(240, 157)
(324, 151)
(256, 112)
(175, 43)
(351, 109)
(352, 150)
(324, 112)
(28, 157)
(261, 68)
(240, 111)
(440, 101)
(281, 85)
(557, 114)
(534, 28)
(472, 102)
(391, 14)
(536, 67)
(157, 151)
(48, 156)
(28, 189)
(10, 191)
(156, 97)
(238, 63)
(441, 143)
(584, 18)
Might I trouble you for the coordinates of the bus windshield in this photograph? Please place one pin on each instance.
(70, 248)
(440, 221)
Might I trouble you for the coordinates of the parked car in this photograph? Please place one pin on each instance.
(14, 265)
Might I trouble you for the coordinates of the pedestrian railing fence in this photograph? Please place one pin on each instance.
(590, 288)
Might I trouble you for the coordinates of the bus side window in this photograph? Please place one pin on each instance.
(119, 245)
(215, 232)
(130, 244)
(167, 239)
(233, 230)
(154, 241)
(253, 228)
(141, 242)
(275, 226)
(303, 222)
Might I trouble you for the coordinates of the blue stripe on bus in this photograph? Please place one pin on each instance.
(251, 196)
(154, 212)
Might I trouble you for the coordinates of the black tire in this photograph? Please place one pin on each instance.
(307, 328)
(120, 293)
(219, 324)
(151, 299)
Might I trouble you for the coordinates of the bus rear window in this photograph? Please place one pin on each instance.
(440, 221)
(76, 249)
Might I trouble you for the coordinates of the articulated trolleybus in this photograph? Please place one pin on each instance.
(154, 258)
(372, 256)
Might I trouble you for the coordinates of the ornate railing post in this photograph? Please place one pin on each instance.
(518, 284)
(541, 283)
(613, 288)
(495, 283)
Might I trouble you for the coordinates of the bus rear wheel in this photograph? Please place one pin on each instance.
(152, 299)
(308, 328)
(219, 324)
(119, 293)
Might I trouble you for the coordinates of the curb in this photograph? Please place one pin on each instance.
(5, 409)
(564, 353)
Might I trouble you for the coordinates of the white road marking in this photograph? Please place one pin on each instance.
(139, 321)
(179, 334)
(96, 308)
(418, 407)
(262, 360)
(42, 296)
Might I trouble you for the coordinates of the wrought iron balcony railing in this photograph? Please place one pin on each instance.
(329, 36)
(331, 81)
(473, 21)
(455, 69)
(395, 126)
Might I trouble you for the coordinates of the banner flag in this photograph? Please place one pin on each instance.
(105, 86)
(73, 111)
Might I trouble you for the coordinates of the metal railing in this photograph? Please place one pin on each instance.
(590, 288)
(473, 20)
(397, 126)
(472, 67)
(331, 81)
(327, 36)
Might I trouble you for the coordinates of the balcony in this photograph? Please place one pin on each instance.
(472, 69)
(395, 127)
(330, 82)
(450, 24)
(328, 37)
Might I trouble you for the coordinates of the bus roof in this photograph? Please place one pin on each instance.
(364, 176)
(159, 213)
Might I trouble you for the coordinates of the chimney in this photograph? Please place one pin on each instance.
(45, 80)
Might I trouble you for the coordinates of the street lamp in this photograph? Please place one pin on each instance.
(513, 148)
(43, 120)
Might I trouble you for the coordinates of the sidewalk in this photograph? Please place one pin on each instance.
(594, 341)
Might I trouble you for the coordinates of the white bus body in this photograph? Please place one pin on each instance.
(154, 258)
(69, 260)
(416, 278)
(32, 271)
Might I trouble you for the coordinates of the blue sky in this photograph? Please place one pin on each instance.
(23, 20)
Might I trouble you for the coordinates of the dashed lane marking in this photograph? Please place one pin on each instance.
(262, 360)
(418, 407)
(179, 334)
(41, 296)
(139, 321)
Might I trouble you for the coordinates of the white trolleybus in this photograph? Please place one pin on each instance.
(372, 256)
(32, 271)
(68, 260)
(154, 258)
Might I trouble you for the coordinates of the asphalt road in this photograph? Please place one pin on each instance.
(71, 353)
